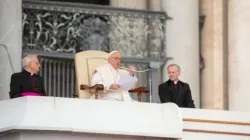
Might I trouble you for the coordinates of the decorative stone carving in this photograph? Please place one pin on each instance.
(129, 36)
(156, 64)
(52, 31)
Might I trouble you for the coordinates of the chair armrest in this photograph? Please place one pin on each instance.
(96, 88)
(75, 95)
(14, 95)
(139, 91)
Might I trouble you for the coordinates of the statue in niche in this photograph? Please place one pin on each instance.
(95, 41)
(93, 34)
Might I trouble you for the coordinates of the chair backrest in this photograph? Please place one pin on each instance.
(85, 64)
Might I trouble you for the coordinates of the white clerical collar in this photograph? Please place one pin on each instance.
(176, 81)
(31, 74)
(112, 67)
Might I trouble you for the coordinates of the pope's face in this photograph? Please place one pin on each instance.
(115, 60)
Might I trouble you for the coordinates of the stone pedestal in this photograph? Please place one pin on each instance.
(131, 28)
(182, 42)
(239, 55)
(156, 78)
(10, 42)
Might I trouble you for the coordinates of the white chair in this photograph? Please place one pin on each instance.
(85, 64)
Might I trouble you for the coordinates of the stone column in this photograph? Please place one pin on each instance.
(134, 4)
(156, 78)
(239, 55)
(182, 41)
(214, 51)
(155, 5)
(10, 42)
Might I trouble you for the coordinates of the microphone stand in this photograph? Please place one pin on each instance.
(150, 88)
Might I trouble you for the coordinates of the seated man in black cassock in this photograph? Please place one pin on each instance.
(27, 82)
(174, 90)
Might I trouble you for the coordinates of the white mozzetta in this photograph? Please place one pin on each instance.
(91, 116)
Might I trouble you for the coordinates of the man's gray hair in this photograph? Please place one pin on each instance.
(27, 60)
(175, 65)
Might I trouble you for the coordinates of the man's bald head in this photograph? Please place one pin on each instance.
(174, 72)
(31, 63)
(114, 59)
(114, 53)
(27, 60)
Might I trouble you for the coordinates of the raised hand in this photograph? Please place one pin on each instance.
(132, 69)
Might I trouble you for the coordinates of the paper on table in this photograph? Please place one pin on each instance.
(126, 82)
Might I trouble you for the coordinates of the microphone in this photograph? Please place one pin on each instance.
(135, 70)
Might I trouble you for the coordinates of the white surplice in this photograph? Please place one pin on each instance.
(107, 76)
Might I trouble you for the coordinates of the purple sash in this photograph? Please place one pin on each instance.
(30, 94)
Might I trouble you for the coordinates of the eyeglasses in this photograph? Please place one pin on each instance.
(37, 63)
(117, 58)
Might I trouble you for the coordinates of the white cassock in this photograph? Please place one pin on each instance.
(107, 76)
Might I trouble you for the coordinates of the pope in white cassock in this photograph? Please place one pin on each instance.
(109, 75)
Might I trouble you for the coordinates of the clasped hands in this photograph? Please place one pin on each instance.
(114, 86)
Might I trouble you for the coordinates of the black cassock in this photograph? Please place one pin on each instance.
(179, 94)
(26, 82)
